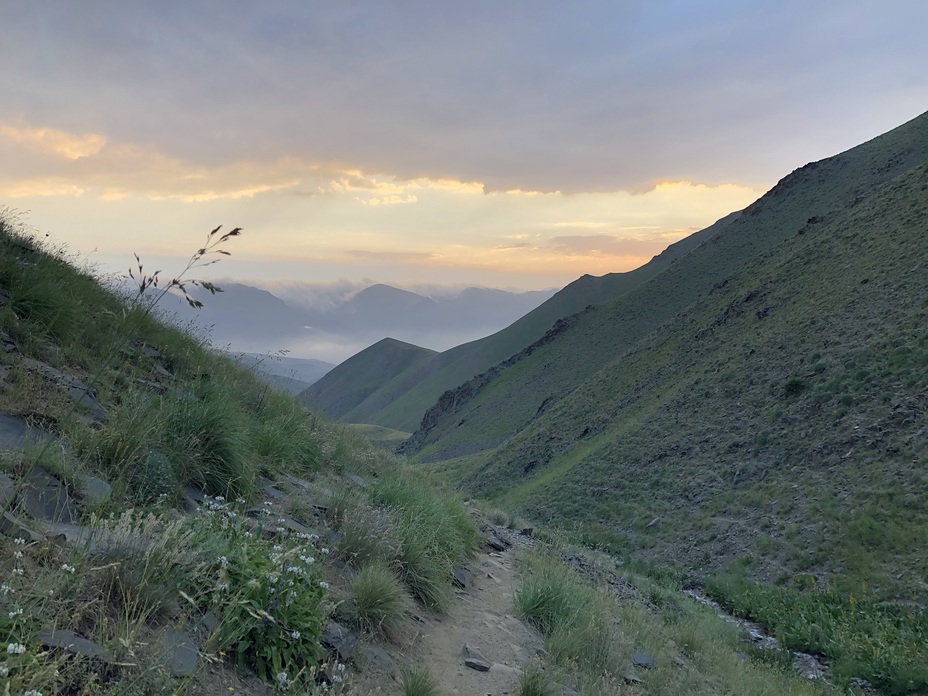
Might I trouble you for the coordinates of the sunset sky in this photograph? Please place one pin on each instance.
(505, 144)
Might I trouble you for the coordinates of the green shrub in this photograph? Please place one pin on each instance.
(268, 596)
(435, 532)
(380, 600)
(418, 681)
(794, 386)
(206, 439)
(533, 682)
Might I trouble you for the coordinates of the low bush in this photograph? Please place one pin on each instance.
(418, 681)
(379, 600)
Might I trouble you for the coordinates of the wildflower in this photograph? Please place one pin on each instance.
(18, 554)
(5, 589)
(340, 666)
(324, 551)
(222, 587)
(15, 649)
(16, 612)
(336, 679)
(18, 571)
(19, 541)
(68, 568)
(278, 547)
(324, 585)
(32, 692)
(295, 635)
(282, 678)
(4, 670)
(223, 561)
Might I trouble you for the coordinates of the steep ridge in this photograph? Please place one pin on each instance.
(499, 404)
(402, 397)
(782, 419)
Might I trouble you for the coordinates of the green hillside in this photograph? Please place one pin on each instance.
(495, 405)
(404, 391)
(338, 392)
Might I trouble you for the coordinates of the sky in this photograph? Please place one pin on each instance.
(506, 144)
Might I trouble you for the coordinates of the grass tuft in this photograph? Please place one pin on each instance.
(418, 681)
(380, 600)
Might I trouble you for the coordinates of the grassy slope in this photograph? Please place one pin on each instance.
(339, 391)
(181, 414)
(403, 395)
(779, 420)
(502, 403)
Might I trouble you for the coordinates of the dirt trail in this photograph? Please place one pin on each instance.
(483, 618)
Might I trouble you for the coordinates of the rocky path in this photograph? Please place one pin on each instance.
(480, 647)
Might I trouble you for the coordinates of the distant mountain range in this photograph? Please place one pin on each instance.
(244, 318)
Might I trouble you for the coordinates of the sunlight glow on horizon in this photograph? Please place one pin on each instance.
(87, 189)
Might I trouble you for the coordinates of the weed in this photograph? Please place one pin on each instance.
(380, 600)
(418, 681)
(533, 682)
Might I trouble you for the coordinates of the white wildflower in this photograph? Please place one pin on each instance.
(324, 551)
(68, 568)
(4, 670)
(17, 554)
(15, 649)
(223, 562)
(19, 541)
(295, 635)
(324, 585)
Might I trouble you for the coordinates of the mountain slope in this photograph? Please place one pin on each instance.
(402, 399)
(355, 379)
(779, 420)
(497, 404)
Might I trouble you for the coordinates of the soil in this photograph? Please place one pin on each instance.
(482, 618)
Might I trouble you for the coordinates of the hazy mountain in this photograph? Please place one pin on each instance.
(331, 327)
(401, 398)
(292, 375)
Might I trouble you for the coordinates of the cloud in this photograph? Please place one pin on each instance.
(67, 145)
(605, 245)
(394, 257)
(537, 96)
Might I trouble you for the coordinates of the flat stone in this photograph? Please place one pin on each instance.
(470, 651)
(77, 390)
(495, 543)
(497, 668)
(45, 498)
(69, 641)
(15, 433)
(642, 660)
(462, 577)
(376, 656)
(275, 493)
(15, 528)
(178, 653)
(94, 490)
(339, 641)
(355, 479)
(476, 664)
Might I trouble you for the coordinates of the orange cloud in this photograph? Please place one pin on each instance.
(56, 142)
